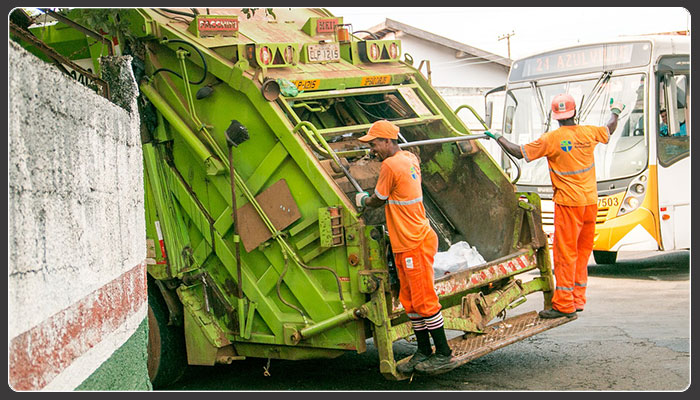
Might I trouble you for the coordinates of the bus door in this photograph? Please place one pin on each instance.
(673, 150)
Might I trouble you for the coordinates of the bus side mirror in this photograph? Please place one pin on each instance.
(489, 114)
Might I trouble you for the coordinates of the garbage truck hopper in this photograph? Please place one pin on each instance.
(251, 163)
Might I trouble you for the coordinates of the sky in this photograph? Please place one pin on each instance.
(535, 29)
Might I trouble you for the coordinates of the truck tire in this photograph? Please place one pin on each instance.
(604, 257)
(167, 355)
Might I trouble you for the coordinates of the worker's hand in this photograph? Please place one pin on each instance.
(493, 135)
(616, 107)
(361, 198)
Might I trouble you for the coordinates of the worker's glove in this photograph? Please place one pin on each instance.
(616, 107)
(361, 199)
(493, 135)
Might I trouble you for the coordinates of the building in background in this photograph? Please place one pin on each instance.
(462, 74)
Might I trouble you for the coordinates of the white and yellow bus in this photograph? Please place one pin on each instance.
(643, 172)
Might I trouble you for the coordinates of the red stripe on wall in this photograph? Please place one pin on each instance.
(40, 354)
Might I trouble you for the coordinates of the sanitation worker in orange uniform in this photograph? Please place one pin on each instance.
(414, 244)
(569, 152)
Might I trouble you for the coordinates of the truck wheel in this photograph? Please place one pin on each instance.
(167, 356)
(604, 257)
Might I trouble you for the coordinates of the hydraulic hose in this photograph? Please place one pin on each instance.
(517, 166)
(337, 279)
(204, 62)
(279, 292)
(374, 36)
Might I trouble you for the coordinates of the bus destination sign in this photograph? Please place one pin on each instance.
(583, 59)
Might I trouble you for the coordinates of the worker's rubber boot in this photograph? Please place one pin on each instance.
(437, 364)
(424, 351)
(552, 313)
(407, 368)
(442, 361)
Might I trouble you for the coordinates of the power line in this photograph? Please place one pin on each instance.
(507, 37)
(465, 59)
(471, 63)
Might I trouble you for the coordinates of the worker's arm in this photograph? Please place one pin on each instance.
(385, 183)
(363, 199)
(512, 148)
(374, 201)
(615, 109)
(612, 123)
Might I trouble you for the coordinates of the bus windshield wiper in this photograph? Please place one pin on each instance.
(540, 102)
(593, 96)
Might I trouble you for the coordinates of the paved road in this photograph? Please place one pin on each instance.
(633, 335)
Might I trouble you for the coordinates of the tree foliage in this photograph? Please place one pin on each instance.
(250, 12)
(113, 22)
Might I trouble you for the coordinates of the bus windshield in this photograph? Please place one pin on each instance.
(528, 115)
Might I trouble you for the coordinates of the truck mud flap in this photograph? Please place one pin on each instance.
(500, 334)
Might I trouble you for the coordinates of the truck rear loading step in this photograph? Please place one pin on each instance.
(499, 334)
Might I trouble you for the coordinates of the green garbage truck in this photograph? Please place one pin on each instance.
(250, 120)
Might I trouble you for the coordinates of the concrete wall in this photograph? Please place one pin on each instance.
(77, 245)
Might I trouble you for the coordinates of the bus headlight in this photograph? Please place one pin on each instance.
(632, 203)
(634, 195)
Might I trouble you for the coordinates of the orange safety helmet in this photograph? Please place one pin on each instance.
(381, 129)
(563, 106)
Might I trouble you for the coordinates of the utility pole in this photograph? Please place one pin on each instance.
(507, 37)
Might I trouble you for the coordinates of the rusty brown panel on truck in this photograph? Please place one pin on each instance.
(485, 223)
(280, 207)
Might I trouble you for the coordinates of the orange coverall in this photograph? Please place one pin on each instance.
(569, 152)
(413, 241)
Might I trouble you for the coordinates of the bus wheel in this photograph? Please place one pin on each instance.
(604, 257)
(167, 356)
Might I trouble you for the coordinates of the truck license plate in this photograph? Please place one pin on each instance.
(375, 80)
(307, 84)
(323, 52)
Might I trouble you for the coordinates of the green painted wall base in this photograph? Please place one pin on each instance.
(126, 368)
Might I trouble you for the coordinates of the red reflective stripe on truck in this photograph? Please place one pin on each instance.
(464, 280)
(162, 244)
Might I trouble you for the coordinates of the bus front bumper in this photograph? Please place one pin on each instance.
(630, 232)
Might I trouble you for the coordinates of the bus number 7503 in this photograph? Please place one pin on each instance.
(607, 202)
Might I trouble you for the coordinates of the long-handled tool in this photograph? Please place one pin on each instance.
(236, 134)
(441, 140)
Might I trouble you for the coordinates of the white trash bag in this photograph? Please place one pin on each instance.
(458, 257)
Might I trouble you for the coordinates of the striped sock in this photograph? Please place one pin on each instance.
(434, 322)
(420, 329)
(418, 324)
(436, 328)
